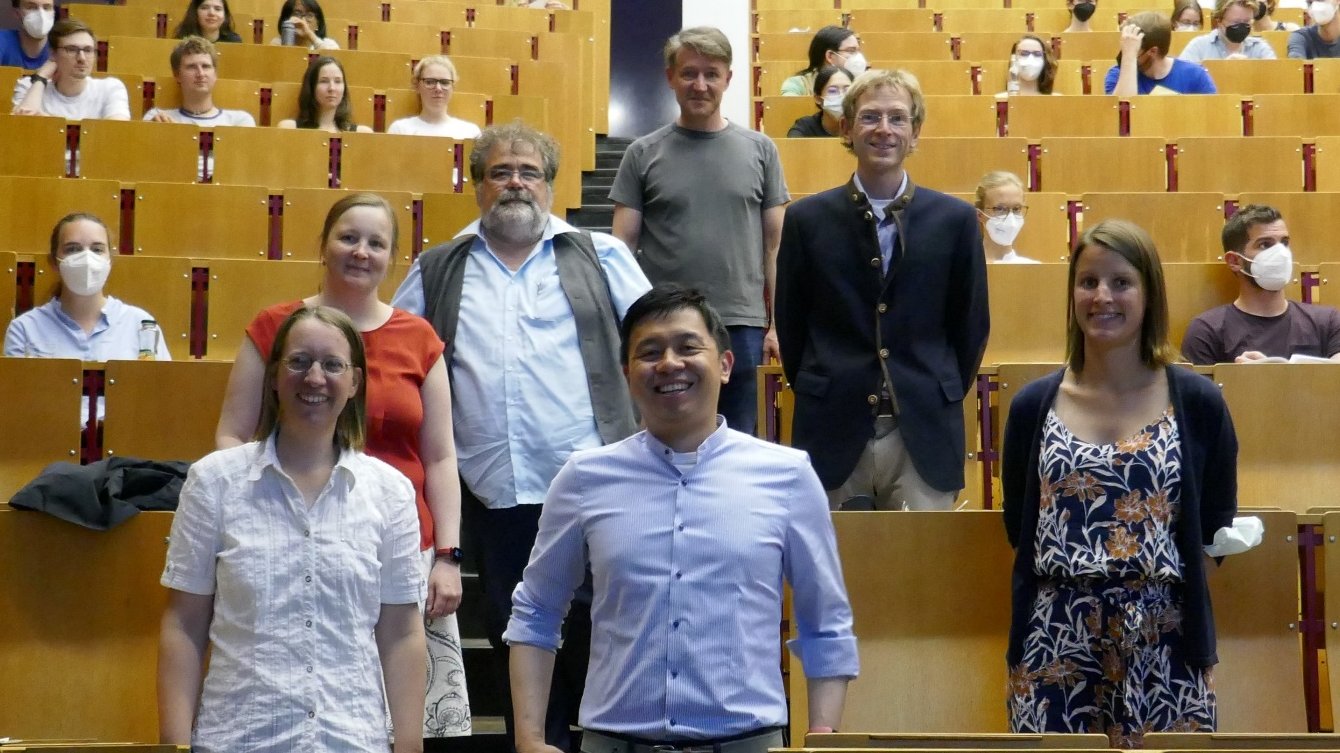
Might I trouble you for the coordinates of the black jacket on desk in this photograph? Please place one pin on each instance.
(1209, 498)
(840, 320)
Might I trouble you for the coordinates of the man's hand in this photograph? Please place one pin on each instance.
(160, 117)
(772, 351)
(48, 70)
(538, 747)
(1131, 40)
(1250, 356)
(444, 589)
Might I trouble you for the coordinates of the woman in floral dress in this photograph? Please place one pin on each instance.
(1118, 470)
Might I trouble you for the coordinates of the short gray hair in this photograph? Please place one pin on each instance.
(707, 41)
(511, 133)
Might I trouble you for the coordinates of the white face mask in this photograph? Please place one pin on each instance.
(1003, 230)
(1321, 11)
(856, 64)
(833, 105)
(85, 272)
(1272, 268)
(1029, 69)
(38, 23)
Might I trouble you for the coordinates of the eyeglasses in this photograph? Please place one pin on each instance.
(1000, 213)
(75, 51)
(306, 15)
(849, 50)
(301, 363)
(501, 175)
(836, 90)
(873, 119)
(437, 83)
(1029, 54)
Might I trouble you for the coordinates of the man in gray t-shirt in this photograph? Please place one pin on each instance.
(701, 201)
(1261, 324)
(195, 67)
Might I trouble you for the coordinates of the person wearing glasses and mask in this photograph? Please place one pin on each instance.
(1261, 324)
(303, 23)
(1187, 15)
(1265, 19)
(832, 45)
(63, 87)
(1033, 66)
(1231, 37)
(435, 80)
(882, 314)
(409, 408)
(1000, 212)
(530, 309)
(829, 86)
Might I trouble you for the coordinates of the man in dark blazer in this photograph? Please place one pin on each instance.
(882, 314)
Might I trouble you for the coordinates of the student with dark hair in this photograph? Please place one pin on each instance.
(323, 102)
(26, 46)
(302, 23)
(832, 45)
(1118, 471)
(830, 83)
(211, 19)
(1143, 62)
(64, 86)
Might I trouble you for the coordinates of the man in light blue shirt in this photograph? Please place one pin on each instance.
(690, 530)
(529, 308)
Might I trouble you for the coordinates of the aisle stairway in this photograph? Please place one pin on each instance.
(597, 211)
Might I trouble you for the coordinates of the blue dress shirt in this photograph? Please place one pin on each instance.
(688, 570)
(520, 399)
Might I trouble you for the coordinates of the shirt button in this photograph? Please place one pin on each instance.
(675, 624)
(673, 722)
(308, 579)
(872, 399)
(309, 669)
(306, 534)
(881, 308)
(681, 528)
(311, 714)
(883, 352)
(308, 623)
(679, 575)
(683, 482)
(674, 673)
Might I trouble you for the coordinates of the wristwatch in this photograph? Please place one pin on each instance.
(452, 554)
(34, 78)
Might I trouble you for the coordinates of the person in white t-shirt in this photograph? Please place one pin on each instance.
(63, 86)
(1000, 212)
(435, 80)
(195, 68)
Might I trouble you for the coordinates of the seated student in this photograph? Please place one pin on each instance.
(1000, 212)
(831, 45)
(323, 102)
(210, 19)
(1033, 65)
(830, 84)
(81, 321)
(1080, 13)
(1231, 37)
(195, 68)
(1261, 323)
(1322, 39)
(63, 87)
(303, 23)
(1187, 15)
(435, 79)
(1143, 63)
(26, 47)
(1265, 19)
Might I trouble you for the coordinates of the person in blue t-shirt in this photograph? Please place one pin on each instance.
(1144, 66)
(26, 47)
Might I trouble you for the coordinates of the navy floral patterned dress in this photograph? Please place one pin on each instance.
(1099, 655)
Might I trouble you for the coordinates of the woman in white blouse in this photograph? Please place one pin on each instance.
(435, 81)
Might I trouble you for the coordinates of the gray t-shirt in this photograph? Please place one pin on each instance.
(1223, 333)
(1307, 44)
(702, 196)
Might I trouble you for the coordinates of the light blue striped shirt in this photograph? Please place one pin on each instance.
(520, 400)
(688, 570)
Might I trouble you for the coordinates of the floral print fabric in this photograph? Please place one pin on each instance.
(1100, 655)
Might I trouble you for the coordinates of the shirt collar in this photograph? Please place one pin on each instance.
(267, 457)
(553, 227)
(708, 446)
(880, 203)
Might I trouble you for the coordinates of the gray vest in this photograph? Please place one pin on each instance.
(442, 270)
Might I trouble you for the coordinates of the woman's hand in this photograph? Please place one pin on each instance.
(444, 589)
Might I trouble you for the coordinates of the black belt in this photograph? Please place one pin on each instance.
(757, 741)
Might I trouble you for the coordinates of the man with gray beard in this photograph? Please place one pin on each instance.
(529, 308)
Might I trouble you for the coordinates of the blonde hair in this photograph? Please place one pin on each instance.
(1221, 7)
(707, 41)
(441, 60)
(996, 179)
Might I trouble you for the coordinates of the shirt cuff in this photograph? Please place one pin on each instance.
(827, 657)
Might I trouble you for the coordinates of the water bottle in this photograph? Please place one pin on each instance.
(148, 340)
(1012, 88)
(288, 32)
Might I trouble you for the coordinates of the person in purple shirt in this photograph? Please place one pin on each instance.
(690, 529)
(1143, 62)
(26, 47)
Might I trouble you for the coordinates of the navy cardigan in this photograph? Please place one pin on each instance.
(1208, 498)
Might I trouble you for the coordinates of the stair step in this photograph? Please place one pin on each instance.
(594, 194)
(608, 160)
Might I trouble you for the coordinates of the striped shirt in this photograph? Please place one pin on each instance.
(689, 560)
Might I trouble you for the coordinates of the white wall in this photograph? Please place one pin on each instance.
(733, 18)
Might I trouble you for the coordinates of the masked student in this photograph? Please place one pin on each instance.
(26, 47)
(1000, 212)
